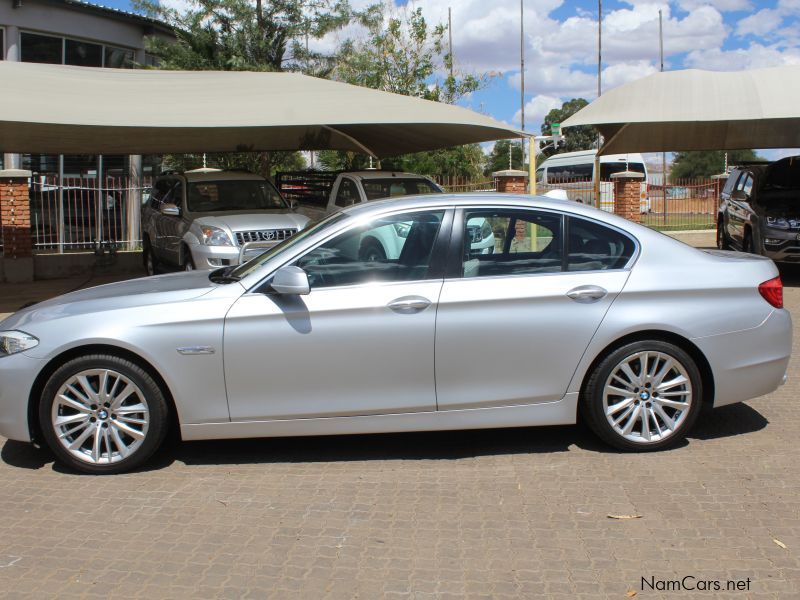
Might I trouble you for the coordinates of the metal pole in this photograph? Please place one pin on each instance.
(599, 92)
(522, 74)
(450, 40)
(61, 204)
(532, 165)
(663, 154)
(100, 204)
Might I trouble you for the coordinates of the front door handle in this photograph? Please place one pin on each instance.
(408, 305)
(586, 294)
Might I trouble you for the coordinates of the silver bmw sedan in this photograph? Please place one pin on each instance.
(570, 311)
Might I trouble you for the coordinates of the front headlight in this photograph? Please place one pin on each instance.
(777, 223)
(12, 342)
(214, 236)
(402, 229)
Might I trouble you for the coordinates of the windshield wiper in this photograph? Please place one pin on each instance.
(223, 275)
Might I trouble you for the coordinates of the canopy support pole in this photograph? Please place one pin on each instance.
(352, 140)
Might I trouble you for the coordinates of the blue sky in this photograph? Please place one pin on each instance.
(561, 43)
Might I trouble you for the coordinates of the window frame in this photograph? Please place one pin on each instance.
(455, 267)
(439, 254)
(103, 46)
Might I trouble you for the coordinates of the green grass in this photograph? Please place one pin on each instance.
(678, 222)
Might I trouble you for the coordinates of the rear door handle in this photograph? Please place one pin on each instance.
(409, 304)
(586, 294)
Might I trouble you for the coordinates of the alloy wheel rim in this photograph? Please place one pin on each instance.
(647, 397)
(100, 416)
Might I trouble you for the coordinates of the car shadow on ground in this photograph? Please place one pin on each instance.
(729, 421)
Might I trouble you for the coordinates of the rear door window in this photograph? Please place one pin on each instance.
(595, 247)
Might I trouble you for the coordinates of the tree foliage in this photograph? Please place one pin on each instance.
(700, 163)
(402, 54)
(498, 157)
(247, 35)
(582, 137)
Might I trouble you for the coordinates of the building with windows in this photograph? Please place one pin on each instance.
(72, 32)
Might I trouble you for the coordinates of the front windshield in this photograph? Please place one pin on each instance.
(233, 194)
(255, 263)
(395, 186)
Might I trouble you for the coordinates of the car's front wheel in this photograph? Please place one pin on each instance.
(723, 243)
(102, 414)
(643, 396)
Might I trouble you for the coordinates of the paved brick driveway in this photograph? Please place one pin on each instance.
(488, 514)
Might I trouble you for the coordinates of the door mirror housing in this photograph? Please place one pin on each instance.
(291, 281)
(170, 210)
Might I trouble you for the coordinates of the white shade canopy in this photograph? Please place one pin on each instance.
(698, 110)
(73, 110)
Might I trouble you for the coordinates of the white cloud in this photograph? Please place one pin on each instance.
(755, 56)
(535, 110)
(720, 5)
(760, 23)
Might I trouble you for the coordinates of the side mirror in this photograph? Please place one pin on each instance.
(170, 210)
(739, 196)
(291, 281)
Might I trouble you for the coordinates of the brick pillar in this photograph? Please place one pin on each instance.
(511, 181)
(15, 220)
(628, 195)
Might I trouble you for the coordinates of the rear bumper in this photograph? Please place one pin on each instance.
(17, 374)
(749, 363)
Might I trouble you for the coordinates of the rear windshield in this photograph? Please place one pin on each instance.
(608, 169)
(395, 186)
(233, 194)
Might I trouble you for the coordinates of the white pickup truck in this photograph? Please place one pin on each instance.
(318, 194)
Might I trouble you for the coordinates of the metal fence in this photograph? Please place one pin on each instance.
(457, 184)
(687, 204)
(82, 214)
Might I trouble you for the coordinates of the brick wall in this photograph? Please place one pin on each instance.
(15, 215)
(512, 185)
(627, 200)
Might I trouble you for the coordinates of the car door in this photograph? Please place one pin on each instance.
(740, 208)
(360, 343)
(512, 325)
(173, 226)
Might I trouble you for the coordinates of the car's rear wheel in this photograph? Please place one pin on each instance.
(371, 251)
(747, 242)
(722, 237)
(102, 414)
(149, 259)
(643, 396)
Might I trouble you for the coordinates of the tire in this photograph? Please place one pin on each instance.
(747, 242)
(101, 414)
(149, 259)
(666, 425)
(371, 251)
(722, 238)
(188, 261)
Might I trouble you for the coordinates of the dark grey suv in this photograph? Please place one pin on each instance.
(759, 210)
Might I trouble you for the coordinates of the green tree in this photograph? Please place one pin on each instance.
(702, 163)
(404, 55)
(498, 157)
(582, 137)
(242, 35)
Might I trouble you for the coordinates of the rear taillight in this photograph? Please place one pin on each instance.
(772, 292)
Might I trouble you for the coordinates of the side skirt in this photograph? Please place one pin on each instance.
(562, 412)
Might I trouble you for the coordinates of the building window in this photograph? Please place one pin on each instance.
(83, 54)
(118, 58)
(41, 48)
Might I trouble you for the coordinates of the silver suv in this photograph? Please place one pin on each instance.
(208, 218)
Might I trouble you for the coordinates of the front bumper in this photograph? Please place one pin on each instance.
(749, 363)
(781, 245)
(17, 374)
(214, 257)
